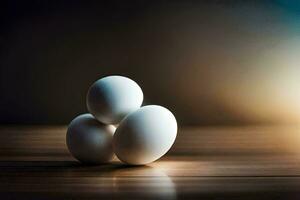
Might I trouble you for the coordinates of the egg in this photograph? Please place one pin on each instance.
(111, 98)
(89, 140)
(145, 135)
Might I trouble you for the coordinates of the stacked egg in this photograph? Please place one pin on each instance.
(117, 124)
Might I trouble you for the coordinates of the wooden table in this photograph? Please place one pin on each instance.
(207, 163)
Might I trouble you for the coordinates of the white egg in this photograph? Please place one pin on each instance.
(145, 135)
(89, 140)
(111, 98)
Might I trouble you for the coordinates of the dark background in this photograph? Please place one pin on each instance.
(210, 62)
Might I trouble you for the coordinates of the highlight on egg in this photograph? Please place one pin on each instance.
(111, 98)
(89, 140)
(145, 135)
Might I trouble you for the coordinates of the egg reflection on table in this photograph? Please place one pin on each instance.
(89, 140)
(145, 135)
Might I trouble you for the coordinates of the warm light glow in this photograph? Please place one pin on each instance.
(272, 91)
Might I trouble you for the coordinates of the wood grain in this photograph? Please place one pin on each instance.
(209, 163)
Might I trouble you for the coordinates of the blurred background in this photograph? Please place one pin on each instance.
(223, 62)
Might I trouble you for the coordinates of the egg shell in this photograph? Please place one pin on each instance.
(89, 140)
(145, 135)
(111, 98)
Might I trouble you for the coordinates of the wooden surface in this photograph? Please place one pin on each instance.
(204, 163)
